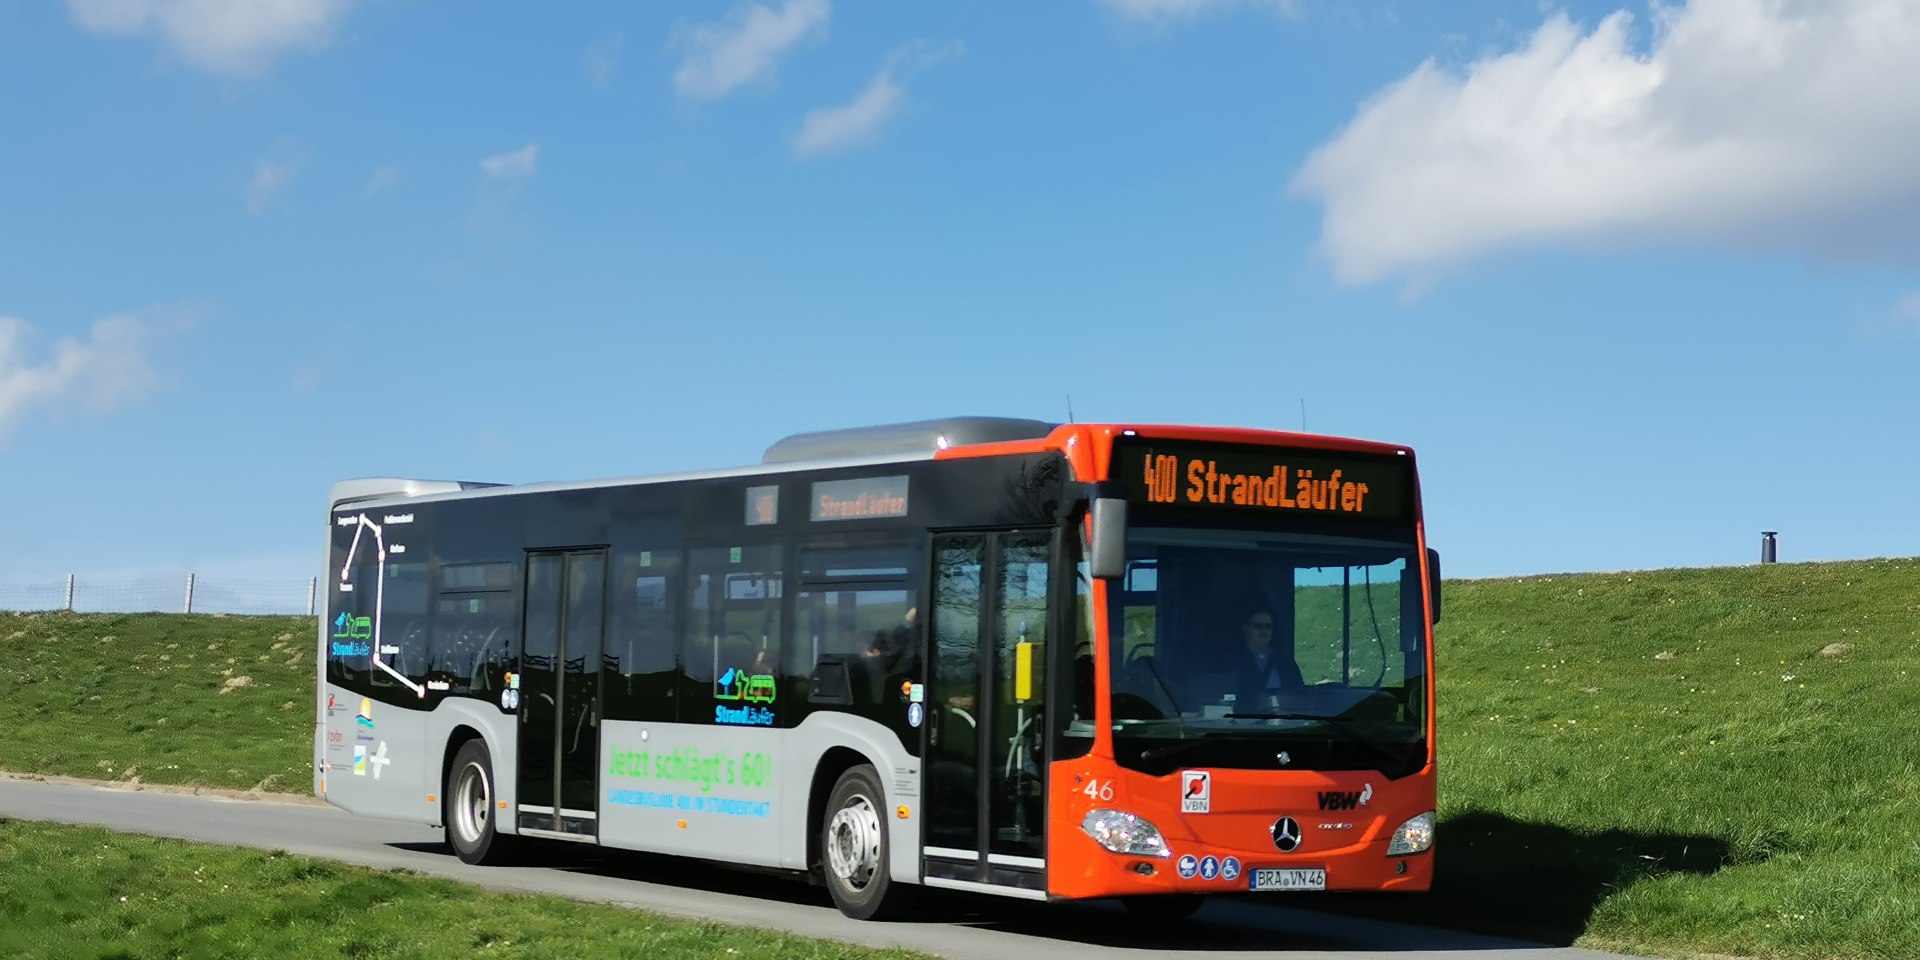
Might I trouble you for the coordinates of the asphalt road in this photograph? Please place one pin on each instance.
(958, 927)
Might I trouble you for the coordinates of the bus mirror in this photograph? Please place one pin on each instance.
(1433, 580)
(1108, 558)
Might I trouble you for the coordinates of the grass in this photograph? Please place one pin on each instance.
(202, 700)
(85, 892)
(1684, 762)
(1675, 762)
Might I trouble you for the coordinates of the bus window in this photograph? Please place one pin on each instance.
(639, 643)
(733, 636)
(404, 623)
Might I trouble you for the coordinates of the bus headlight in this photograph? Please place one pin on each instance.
(1124, 833)
(1414, 836)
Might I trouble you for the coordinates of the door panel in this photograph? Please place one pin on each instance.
(579, 747)
(985, 745)
(540, 684)
(953, 696)
(1016, 760)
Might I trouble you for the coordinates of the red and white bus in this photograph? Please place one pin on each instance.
(1017, 658)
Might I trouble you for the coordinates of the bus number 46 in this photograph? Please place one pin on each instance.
(1100, 790)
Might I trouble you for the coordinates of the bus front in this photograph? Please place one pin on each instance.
(1262, 607)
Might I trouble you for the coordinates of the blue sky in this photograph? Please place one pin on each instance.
(1637, 283)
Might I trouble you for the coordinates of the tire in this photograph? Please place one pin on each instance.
(469, 806)
(854, 848)
(1164, 908)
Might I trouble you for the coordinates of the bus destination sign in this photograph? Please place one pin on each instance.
(1239, 478)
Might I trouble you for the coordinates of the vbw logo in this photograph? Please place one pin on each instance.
(1345, 799)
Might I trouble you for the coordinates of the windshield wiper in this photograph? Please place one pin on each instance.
(1177, 748)
(1344, 726)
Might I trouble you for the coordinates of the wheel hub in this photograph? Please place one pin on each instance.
(472, 803)
(853, 842)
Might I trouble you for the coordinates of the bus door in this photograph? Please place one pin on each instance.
(560, 694)
(984, 726)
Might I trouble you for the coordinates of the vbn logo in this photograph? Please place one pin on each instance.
(1345, 799)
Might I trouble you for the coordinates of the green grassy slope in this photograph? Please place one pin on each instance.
(1675, 762)
(210, 701)
(1682, 761)
(85, 893)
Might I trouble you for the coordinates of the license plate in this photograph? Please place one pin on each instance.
(1303, 879)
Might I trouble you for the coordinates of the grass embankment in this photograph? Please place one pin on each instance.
(1685, 761)
(202, 700)
(1673, 762)
(86, 892)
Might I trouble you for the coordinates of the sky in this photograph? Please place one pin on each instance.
(1635, 281)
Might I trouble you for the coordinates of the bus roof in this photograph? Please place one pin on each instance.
(859, 447)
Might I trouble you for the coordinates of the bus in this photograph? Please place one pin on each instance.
(1033, 660)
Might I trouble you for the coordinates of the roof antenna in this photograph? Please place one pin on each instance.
(1303, 414)
(1070, 408)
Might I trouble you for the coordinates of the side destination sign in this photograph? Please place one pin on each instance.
(1237, 478)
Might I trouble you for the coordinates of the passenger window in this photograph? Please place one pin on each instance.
(404, 624)
(640, 648)
(733, 636)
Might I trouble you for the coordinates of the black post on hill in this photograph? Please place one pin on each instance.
(1769, 546)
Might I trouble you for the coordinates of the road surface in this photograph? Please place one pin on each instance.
(960, 928)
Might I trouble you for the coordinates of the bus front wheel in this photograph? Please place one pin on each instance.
(470, 807)
(854, 848)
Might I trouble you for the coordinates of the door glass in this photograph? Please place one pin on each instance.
(579, 708)
(540, 681)
(953, 711)
(1017, 805)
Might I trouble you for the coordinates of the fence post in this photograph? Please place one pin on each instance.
(313, 588)
(69, 593)
(189, 593)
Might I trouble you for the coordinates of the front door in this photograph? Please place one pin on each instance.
(560, 693)
(985, 719)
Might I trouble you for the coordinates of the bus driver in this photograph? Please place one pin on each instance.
(1261, 672)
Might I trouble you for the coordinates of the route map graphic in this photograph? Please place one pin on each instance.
(348, 627)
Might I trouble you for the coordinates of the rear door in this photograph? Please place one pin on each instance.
(560, 693)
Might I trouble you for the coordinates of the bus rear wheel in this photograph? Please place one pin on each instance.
(469, 808)
(854, 848)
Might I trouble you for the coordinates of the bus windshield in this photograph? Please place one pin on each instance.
(1268, 650)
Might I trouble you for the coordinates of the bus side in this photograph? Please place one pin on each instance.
(697, 664)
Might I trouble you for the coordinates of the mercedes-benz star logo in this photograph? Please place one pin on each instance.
(1286, 834)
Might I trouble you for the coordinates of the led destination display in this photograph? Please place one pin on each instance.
(1220, 478)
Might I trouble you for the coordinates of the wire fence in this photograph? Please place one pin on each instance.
(188, 594)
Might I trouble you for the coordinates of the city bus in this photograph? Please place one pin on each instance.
(1033, 660)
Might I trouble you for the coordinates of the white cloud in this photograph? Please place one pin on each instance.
(745, 46)
(828, 129)
(601, 57)
(859, 122)
(515, 165)
(98, 375)
(383, 179)
(1161, 10)
(269, 178)
(1905, 315)
(223, 36)
(1781, 124)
